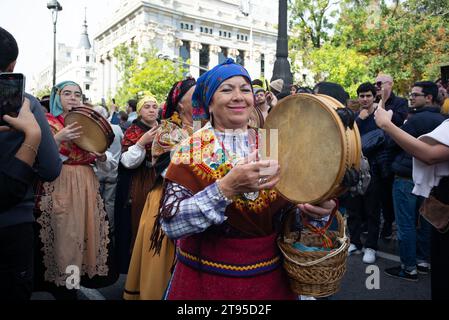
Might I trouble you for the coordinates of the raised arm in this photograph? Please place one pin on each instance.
(429, 153)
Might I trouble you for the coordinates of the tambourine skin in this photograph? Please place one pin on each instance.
(97, 132)
(314, 147)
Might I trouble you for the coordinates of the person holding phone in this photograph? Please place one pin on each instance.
(17, 176)
(16, 222)
(74, 229)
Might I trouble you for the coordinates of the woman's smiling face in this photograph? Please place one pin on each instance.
(231, 104)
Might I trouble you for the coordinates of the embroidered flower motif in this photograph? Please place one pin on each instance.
(215, 164)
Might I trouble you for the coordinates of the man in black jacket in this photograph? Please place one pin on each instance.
(413, 231)
(16, 223)
(399, 106)
(367, 205)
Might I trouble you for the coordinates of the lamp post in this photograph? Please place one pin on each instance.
(245, 9)
(281, 68)
(55, 7)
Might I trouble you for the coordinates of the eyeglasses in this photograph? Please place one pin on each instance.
(68, 94)
(414, 95)
(380, 83)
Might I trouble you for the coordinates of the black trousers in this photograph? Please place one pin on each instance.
(16, 262)
(439, 257)
(368, 206)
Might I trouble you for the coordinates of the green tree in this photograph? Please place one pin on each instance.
(144, 73)
(310, 27)
(341, 65)
(43, 92)
(403, 38)
(310, 20)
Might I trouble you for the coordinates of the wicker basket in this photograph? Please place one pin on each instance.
(315, 273)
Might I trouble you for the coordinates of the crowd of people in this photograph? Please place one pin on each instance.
(190, 212)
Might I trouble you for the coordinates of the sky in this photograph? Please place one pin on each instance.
(30, 22)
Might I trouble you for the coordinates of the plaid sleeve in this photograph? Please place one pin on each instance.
(186, 214)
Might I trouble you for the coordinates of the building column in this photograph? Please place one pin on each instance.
(169, 42)
(213, 55)
(255, 67)
(270, 57)
(233, 53)
(249, 64)
(108, 76)
(195, 48)
(102, 75)
(115, 76)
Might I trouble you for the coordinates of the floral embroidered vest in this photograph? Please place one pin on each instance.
(198, 163)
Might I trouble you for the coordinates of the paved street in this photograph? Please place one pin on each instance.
(352, 288)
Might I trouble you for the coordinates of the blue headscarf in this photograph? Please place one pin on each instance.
(55, 100)
(209, 82)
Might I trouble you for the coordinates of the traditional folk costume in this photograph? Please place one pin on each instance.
(74, 230)
(136, 178)
(227, 248)
(150, 267)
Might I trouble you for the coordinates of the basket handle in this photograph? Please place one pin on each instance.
(289, 216)
(327, 243)
(342, 239)
(329, 255)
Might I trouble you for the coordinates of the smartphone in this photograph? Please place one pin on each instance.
(12, 89)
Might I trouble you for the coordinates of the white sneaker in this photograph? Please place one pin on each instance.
(369, 256)
(352, 250)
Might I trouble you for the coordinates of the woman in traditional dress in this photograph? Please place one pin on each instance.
(74, 229)
(149, 270)
(220, 203)
(135, 178)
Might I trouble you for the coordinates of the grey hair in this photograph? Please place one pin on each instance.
(101, 110)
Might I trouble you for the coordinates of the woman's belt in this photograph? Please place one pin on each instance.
(228, 269)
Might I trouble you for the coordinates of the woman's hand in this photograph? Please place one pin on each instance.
(148, 137)
(250, 176)
(318, 211)
(100, 156)
(69, 133)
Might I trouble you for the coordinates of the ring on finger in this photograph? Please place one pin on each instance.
(262, 180)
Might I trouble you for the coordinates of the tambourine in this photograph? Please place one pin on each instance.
(97, 132)
(319, 147)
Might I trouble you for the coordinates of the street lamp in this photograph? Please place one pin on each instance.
(55, 7)
(245, 7)
(281, 69)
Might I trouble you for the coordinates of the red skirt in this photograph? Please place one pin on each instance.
(215, 268)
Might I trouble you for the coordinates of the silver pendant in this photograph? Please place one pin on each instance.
(251, 195)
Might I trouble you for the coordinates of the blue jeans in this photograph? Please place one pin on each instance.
(413, 230)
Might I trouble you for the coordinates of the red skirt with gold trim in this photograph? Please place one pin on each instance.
(217, 268)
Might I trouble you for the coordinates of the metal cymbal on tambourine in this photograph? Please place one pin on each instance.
(318, 147)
